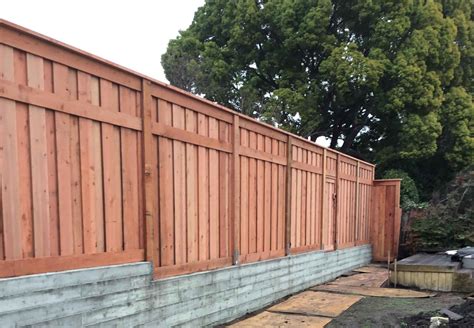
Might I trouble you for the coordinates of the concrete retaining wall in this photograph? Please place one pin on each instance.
(124, 295)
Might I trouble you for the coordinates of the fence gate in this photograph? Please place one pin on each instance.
(386, 217)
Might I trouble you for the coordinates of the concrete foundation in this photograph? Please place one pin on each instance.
(125, 295)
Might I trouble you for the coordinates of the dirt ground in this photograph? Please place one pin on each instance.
(393, 312)
(466, 310)
(332, 305)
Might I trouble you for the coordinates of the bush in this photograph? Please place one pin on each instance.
(409, 196)
(449, 221)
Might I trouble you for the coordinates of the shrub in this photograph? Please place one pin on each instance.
(449, 221)
(409, 197)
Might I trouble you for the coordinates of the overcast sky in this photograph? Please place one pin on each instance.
(132, 33)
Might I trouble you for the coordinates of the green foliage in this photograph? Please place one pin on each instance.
(449, 221)
(409, 197)
(389, 81)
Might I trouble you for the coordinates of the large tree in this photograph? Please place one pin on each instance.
(388, 81)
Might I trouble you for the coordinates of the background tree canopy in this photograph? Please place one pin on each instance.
(386, 81)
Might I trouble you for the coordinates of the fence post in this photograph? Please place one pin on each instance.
(236, 188)
(323, 190)
(289, 154)
(147, 139)
(357, 197)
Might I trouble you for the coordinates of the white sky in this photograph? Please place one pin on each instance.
(133, 34)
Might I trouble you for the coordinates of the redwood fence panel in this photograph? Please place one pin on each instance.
(346, 198)
(386, 219)
(262, 154)
(192, 149)
(70, 183)
(101, 165)
(306, 196)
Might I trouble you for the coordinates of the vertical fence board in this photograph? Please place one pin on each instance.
(260, 233)
(252, 194)
(203, 190)
(9, 162)
(267, 197)
(148, 176)
(112, 171)
(235, 179)
(245, 196)
(274, 198)
(10, 181)
(51, 164)
(289, 201)
(224, 194)
(39, 163)
(87, 167)
(129, 159)
(282, 199)
(191, 191)
(63, 145)
(166, 189)
(214, 192)
(24, 162)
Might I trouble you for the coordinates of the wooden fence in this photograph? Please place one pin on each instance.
(101, 165)
(386, 219)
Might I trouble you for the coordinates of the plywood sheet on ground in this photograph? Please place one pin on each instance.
(271, 319)
(372, 279)
(371, 268)
(372, 291)
(316, 303)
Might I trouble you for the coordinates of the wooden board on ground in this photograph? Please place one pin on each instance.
(316, 303)
(270, 319)
(372, 291)
(373, 279)
(371, 268)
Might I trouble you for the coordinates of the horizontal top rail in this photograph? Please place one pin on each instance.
(22, 38)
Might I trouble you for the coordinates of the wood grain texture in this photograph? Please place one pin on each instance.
(102, 160)
(112, 173)
(39, 161)
(166, 189)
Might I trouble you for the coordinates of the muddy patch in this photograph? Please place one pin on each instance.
(466, 310)
(389, 312)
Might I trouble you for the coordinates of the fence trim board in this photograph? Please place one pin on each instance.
(256, 154)
(189, 137)
(11, 268)
(168, 271)
(39, 98)
(307, 167)
(255, 257)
